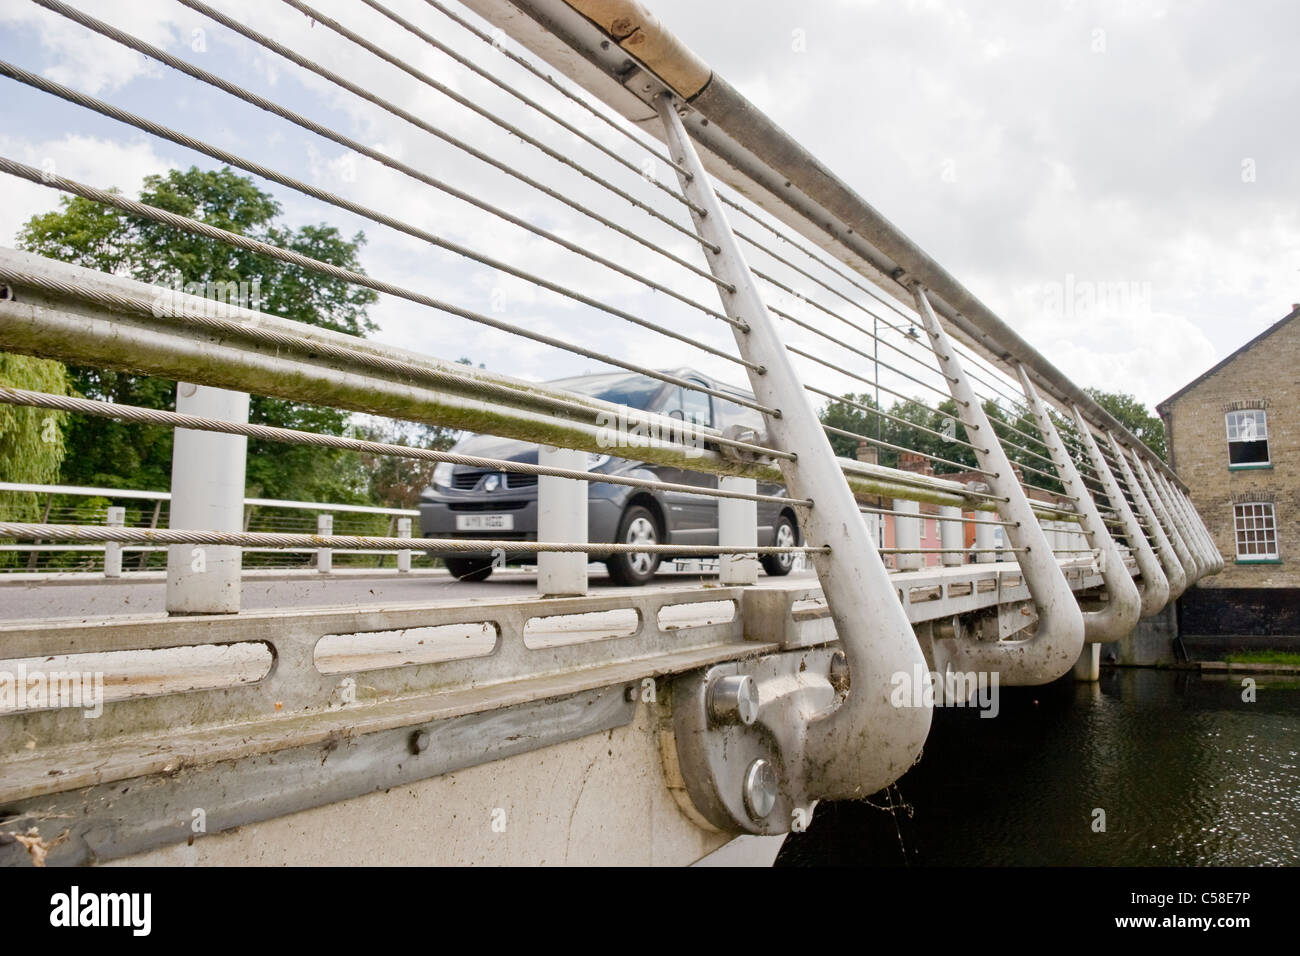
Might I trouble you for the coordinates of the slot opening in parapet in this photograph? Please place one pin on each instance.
(560, 630)
(681, 617)
(86, 682)
(377, 650)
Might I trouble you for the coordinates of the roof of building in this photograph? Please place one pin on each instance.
(1163, 407)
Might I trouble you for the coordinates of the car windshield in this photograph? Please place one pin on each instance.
(634, 391)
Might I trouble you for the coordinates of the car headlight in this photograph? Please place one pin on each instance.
(595, 461)
(442, 474)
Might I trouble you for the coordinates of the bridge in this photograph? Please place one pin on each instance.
(389, 713)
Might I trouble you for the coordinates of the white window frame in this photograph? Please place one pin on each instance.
(1232, 425)
(1255, 522)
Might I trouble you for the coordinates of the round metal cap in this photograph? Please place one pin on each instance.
(760, 789)
(734, 700)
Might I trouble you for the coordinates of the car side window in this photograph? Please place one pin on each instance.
(693, 406)
(729, 413)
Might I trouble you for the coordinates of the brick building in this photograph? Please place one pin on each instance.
(1234, 438)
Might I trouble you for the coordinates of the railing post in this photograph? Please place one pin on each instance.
(207, 495)
(737, 528)
(403, 557)
(562, 517)
(324, 556)
(1155, 586)
(1172, 528)
(1120, 615)
(1195, 550)
(1175, 575)
(115, 518)
(1055, 646)
(854, 745)
(907, 535)
(952, 535)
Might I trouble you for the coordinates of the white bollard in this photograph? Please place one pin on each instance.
(985, 540)
(738, 528)
(561, 517)
(952, 535)
(403, 557)
(907, 534)
(116, 518)
(207, 495)
(324, 556)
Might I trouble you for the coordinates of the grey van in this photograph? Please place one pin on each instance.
(468, 503)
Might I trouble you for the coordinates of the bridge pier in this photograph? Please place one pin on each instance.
(1088, 667)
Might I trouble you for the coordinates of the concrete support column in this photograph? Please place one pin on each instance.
(114, 518)
(952, 535)
(324, 556)
(403, 557)
(907, 534)
(561, 517)
(207, 495)
(738, 528)
(1088, 667)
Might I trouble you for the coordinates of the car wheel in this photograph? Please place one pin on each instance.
(469, 569)
(787, 536)
(637, 526)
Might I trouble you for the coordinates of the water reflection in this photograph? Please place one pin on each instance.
(1186, 772)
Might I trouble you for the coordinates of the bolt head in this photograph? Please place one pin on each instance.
(734, 700)
(839, 672)
(760, 789)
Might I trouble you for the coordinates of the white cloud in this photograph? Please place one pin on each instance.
(97, 162)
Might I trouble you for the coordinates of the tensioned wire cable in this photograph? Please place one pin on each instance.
(316, 542)
(486, 390)
(816, 256)
(317, 17)
(843, 400)
(231, 159)
(378, 156)
(879, 443)
(154, 416)
(650, 147)
(965, 519)
(43, 177)
(522, 97)
(781, 313)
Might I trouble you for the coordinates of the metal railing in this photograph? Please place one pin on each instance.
(745, 257)
(260, 515)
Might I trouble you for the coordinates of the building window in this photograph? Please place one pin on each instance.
(1247, 438)
(1256, 530)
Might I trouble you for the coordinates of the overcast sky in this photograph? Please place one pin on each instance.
(1043, 151)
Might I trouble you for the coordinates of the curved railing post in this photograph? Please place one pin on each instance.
(1155, 587)
(1175, 575)
(1178, 534)
(843, 747)
(1195, 543)
(1124, 605)
(1202, 530)
(1058, 641)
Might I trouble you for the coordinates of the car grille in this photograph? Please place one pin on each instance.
(486, 505)
(468, 480)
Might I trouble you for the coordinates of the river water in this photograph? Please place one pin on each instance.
(1186, 772)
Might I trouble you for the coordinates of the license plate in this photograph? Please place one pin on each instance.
(485, 522)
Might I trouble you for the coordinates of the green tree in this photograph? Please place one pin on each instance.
(1135, 416)
(31, 439)
(82, 232)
